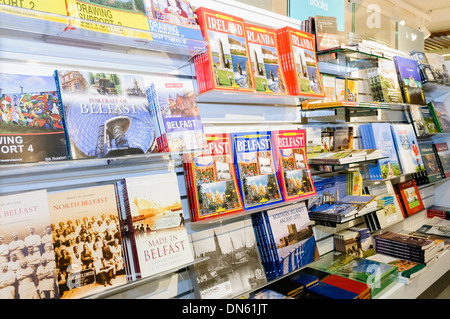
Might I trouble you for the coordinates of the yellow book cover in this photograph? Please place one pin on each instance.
(37, 9)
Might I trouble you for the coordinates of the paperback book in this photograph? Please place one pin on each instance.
(409, 198)
(227, 63)
(439, 68)
(430, 162)
(431, 126)
(211, 178)
(292, 164)
(106, 114)
(87, 240)
(36, 9)
(441, 116)
(351, 89)
(31, 126)
(175, 114)
(27, 256)
(228, 260)
(299, 62)
(265, 60)
(388, 79)
(327, 35)
(407, 148)
(410, 81)
(255, 168)
(443, 156)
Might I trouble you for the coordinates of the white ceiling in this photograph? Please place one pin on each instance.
(438, 10)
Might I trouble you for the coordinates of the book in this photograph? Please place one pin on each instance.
(289, 149)
(410, 81)
(417, 120)
(409, 197)
(407, 269)
(341, 89)
(426, 72)
(265, 60)
(329, 87)
(436, 226)
(87, 240)
(429, 120)
(178, 12)
(255, 169)
(106, 114)
(299, 62)
(175, 114)
(227, 63)
(27, 256)
(441, 115)
(359, 288)
(327, 35)
(430, 162)
(231, 264)
(212, 179)
(155, 222)
(313, 141)
(443, 156)
(351, 89)
(32, 127)
(407, 148)
(332, 291)
(438, 67)
(388, 79)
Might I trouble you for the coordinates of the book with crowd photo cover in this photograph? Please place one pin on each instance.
(31, 127)
(27, 258)
(87, 241)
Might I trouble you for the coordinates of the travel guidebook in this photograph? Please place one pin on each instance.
(441, 116)
(443, 155)
(232, 265)
(175, 114)
(292, 164)
(211, 179)
(87, 240)
(227, 64)
(255, 168)
(27, 257)
(106, 114)
(154, 216)
(430, 162)
(407, 148)
(409, 79)
(390, 87)
(31, 126)
(266, 66)
(299, 62)
(409, 198)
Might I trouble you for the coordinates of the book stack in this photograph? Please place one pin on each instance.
(438, 211)
(355, 241)
(404, 246)
(334, 213)
(407, 270)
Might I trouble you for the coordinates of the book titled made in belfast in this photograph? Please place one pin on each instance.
(31, 123)
(226, 65)
(106, 114)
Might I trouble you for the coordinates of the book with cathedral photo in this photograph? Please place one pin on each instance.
(227, 64)
(266, 64)
(106, 114)
(228, 260)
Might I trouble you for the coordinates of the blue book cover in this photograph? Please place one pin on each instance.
(407, 148)
(332, 292)
(255, 169)
(410, 80)
(267, 258)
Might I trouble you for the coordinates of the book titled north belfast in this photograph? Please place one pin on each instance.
(87, 240)
(292, 164)
(175, 114)
(266, 65)
(27, 256)
(409, 79)
(227, 62)
(299, 62)
(214, 184)
(255, 168)
(31, 126)
(106, 114)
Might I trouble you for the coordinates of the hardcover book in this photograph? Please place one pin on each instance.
(361, 289)
(212, 179)
(430, 162)
(87, 240)
(409, 198)
(292, 164)
(390, 87)
(299, 62)
(175, 114)
(156, 223)
(266, 66)
(227, 63)
(232, 265)
(31, 127)
(410, 81)
(417, 119)
(441, 115)
(106, 114)
(255, 168)
(443, 156)
(27, 256)
(407, 148)
(327, 35)
(430, 123)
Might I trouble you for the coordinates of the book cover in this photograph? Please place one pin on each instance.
(417, 120)
(430, 123)
(391, 90)
(331, 291)
(407, 148)
(87, 240)
(327, 37)
(292, 164)
(106, 114)
(409, 195)
(228, 61)
(438, 67)
(442, 115)
(329, 87)
(417, 243)
(156, 222)
(27, 257)
(340, 89)
(255, 168)
(214, 183)
(313, 141)
(232, 264)
(443, 156)
(35, 8)
(351, 88)
(175, 113)
(31, 126)
(361, 289)
(266, 66)
(410, 81)
(178, 12)
(430, 162)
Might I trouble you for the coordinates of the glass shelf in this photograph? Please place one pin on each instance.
(306, 106)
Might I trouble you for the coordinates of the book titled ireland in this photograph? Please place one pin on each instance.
(106, 114)
(292, 164)
(228, 61)
(31, 125)
(255, 168)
